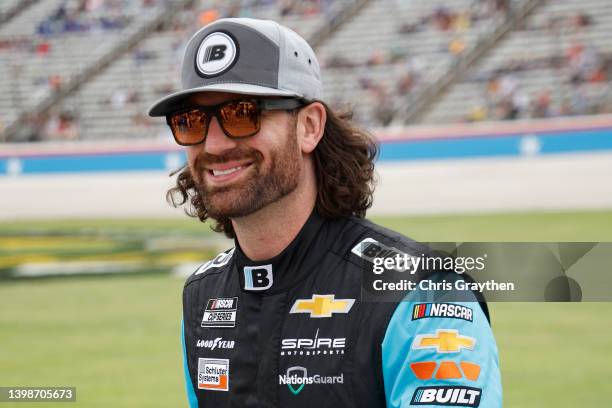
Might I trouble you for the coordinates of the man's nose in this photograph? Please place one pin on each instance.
(217, 142)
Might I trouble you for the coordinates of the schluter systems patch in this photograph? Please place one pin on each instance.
(213, 374)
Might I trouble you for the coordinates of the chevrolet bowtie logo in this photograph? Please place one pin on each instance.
(322, 306)
(444, 341)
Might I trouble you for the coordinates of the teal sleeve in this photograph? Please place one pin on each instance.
(440, 354)
(191, 396)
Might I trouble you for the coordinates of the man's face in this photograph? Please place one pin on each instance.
(236, 177)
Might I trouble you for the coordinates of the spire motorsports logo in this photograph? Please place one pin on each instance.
(297, 378)
(313, 346)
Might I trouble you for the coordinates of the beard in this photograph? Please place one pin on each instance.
(259, 188)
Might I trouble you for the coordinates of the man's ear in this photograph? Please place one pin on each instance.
(310, 126)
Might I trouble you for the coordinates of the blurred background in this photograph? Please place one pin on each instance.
(495, 124)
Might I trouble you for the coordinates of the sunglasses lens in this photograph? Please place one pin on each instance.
(240, 118)
(188, 127)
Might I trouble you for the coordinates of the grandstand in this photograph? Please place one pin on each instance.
(53, 42)
(113, 103)
(88, 69)
(556, 63)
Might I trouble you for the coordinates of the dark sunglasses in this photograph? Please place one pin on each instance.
(238, 118)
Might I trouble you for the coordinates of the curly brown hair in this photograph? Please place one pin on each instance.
(344, 163)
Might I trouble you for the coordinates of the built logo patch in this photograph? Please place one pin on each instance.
(448, 396)
(450, 310)
(220, 312)
(213, 374)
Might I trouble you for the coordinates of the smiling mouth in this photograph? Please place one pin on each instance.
(226, 172)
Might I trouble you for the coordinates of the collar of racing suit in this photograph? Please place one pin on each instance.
(288, 268)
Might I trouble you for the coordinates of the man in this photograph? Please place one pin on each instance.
(286, 318)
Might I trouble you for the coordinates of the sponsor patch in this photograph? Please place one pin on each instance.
(216, 54)
(258, 277)
(213, 374)
(220, 312)
(322, 306)
(369, 249)
(312, 346)
(424, 370)
(448, 396)
(218, 261)
(297, 378)
(444, 341)
(214, 344)
(450, 310)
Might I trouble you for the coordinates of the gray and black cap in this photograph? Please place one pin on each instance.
(245, 56)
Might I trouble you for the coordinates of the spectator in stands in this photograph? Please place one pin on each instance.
(585, 64)
(208, 16)
(43, 48)
(541, 108)
(55, 82)
(405, 84)
(141, 55)
(457, 46)
(478, 113)
(62, 126)
(442, 19)
(376, 58)
(383, 108)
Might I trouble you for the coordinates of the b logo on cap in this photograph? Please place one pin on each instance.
(216, 54)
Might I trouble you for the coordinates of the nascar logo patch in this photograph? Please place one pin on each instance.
(449, 310)
(220, 312)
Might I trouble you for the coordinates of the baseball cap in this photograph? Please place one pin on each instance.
(245, 56)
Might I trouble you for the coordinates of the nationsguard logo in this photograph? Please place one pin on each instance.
(448, 396)
(213, 374)
(449, 310)
(322, 306)
(297, 378)
(444, 341)
(220, 312)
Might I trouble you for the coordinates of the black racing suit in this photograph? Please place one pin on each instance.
(295, 330)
